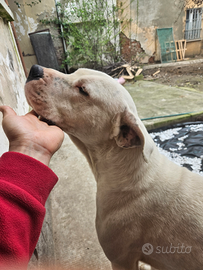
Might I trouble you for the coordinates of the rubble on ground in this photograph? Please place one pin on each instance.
(126, 71)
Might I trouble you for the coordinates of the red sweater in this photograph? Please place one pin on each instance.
(25, 184)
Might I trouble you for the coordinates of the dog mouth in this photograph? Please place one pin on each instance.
(48, 121)
(45, 120)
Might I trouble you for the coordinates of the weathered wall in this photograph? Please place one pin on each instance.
(142, 18)
(27, 20)
(193, 3)
(12, 77)
(146, 16)
(193, 48)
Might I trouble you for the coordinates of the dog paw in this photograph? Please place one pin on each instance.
(144, 266)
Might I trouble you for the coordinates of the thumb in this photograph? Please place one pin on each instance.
(6, 110)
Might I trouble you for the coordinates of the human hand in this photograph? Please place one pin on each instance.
(30, 136)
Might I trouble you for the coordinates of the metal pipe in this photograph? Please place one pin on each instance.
(63, 40)
(165, 116)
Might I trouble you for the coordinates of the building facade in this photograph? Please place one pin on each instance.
(141, 19)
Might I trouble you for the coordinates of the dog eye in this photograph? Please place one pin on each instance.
(83, 91)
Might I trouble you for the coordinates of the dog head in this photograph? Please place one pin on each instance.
(88, 104)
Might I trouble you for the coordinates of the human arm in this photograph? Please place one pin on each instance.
(25, 183)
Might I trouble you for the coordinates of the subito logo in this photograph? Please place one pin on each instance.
(147, 249)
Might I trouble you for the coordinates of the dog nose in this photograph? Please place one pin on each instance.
(36, 72)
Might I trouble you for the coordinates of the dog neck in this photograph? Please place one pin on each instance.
(114, 167)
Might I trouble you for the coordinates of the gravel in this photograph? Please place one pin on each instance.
(176, 143)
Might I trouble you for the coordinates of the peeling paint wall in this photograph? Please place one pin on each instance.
(12, 78)
(131, 50)
(27, 20)
(193, 3)
(140, 19)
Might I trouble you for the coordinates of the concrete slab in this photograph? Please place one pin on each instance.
(174, 64)
(74, 211)
(73, 198)
(157, 100)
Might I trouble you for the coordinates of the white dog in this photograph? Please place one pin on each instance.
(148, 208)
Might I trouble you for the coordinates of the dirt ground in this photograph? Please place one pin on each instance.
(189, 76)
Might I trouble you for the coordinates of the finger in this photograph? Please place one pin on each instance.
(6, 110)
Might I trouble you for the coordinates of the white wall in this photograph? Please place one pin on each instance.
(12, 77)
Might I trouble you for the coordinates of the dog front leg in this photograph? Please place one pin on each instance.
(144, 266)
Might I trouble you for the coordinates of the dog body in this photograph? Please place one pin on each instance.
(142, 197)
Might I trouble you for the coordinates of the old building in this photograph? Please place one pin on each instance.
(140, 23)
(141, 19)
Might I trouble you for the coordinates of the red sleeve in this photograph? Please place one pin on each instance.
(25, 184)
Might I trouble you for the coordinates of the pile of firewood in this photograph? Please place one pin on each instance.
(125, 71)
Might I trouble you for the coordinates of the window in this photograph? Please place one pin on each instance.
(193, 23)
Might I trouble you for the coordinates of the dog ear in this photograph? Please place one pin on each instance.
(126, 131)
(129, 132)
